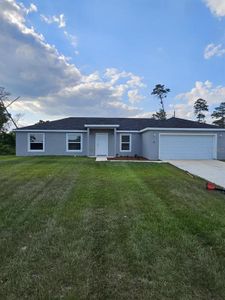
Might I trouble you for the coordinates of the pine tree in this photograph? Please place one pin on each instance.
(159, 115)
(200, 106)
(160, 91)
(219, 115)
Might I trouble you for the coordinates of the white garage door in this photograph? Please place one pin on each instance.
(174, 146)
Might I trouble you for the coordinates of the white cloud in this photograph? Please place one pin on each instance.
(213, 50)
(92, 77)
(59, 20)
(187, 112)
(71, 38)
(92, 96)
(147, 114)
(30, 9)
(123, 107)
(51, 86)
(114, 75)
(214, 95)
(134, 97)
(217, 7)
(31, 66)
(182, 110)
(205, 90)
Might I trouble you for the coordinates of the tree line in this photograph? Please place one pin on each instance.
(200, 107)
(7, 138)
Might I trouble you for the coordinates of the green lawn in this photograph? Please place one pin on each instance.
(71, 228)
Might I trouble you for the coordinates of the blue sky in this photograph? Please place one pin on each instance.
(94, 57)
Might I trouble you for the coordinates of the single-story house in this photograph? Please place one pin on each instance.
(173, 138)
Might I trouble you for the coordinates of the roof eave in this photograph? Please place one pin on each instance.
(181, 129)
(49, 130)
(122, 130)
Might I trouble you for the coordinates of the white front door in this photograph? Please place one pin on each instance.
(101, 144)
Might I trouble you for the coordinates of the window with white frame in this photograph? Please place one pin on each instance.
(125, 142)
(36, 141)
(74, 142)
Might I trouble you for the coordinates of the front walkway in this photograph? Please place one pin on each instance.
(101, 158)
(211, 170)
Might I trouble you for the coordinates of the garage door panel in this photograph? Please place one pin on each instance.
(186, 147)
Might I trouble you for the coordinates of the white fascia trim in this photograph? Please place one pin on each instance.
(102, 126)
(46, 130)
(181, 129)
(191, 134)
(128, 131)
(121, 131)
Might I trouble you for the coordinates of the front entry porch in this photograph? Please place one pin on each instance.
(101, 140)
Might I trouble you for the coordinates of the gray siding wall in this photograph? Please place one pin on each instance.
(150, 143)
(145, 144)
(136, 147)
(221, 145)
(55, 144)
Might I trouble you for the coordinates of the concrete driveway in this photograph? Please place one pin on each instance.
(211, 170)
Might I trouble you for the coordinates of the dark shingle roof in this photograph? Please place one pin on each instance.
(77, 123)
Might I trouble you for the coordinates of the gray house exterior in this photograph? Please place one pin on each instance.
(153, 139)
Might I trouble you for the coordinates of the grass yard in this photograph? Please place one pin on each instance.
(71, 228)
